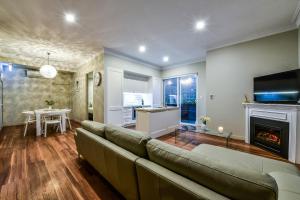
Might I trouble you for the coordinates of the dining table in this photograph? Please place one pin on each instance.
(40, 112)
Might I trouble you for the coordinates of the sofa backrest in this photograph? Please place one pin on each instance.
(131, 140)
(94, 127)
(229, 181)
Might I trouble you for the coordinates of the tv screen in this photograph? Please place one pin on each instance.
(282, 87)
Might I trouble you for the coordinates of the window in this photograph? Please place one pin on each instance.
(170, 92)
(188, 95)
(182, 92)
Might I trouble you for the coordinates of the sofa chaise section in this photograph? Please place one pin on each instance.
(234, 183)
(243, 160)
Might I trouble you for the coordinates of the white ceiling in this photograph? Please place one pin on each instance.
(30, 28)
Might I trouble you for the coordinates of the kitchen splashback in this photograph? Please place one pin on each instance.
(135, 99)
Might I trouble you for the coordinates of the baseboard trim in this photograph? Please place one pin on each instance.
(237, 137)
(75, 120)
(14, 124)
(162, 132)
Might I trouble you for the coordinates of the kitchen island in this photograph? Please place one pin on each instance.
(157, 121)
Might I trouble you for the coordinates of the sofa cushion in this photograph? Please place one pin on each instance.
(131, 140)
(288, 185)
(244, 160)
(235, 183)
(94, 127)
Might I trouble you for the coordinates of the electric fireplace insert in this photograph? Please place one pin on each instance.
(271, 135)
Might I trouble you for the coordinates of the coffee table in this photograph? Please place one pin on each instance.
(194, 129)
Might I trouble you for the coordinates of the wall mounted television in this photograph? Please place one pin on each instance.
(282, 88)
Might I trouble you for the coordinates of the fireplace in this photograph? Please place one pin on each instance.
(271, 135)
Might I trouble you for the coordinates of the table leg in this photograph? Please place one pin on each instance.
(63, 122)
(38, 124)
(227, 139)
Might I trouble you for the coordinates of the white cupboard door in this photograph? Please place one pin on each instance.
(157, 91)
(114, 96)
(1, 104)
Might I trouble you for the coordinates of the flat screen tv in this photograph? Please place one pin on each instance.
(282, 87)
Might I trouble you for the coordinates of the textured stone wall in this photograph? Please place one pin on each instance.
(80, 93)
(22, 93)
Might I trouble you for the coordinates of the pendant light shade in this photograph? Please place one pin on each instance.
(48, 71)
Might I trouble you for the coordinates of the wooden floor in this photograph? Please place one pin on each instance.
(48, 168)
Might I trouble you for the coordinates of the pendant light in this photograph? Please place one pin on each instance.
(48, 71)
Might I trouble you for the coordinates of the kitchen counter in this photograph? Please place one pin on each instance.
(157, 121)
(135, 106)
(156, 109)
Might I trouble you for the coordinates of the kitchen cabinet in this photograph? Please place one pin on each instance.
(123, 88)
(114, 95)
(127, 116)
(135, 86)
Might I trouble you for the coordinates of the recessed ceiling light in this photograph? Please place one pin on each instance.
(200, 25)
(166, 58)
(70, 17)
(142, 48)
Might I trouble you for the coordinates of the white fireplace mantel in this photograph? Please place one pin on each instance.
(281, 112)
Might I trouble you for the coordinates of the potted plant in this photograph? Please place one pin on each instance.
(204, 120)
(50, 103)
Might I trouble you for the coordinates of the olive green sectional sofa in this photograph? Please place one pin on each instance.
(143, 168)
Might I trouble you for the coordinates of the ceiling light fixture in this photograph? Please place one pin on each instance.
(166, 58)
(70, 17)
(142, 48)
(48, 71)
(200, 25)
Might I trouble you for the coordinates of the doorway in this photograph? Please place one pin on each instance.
(182, 92)
(90, 94)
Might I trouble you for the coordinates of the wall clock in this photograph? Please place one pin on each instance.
(98, 79)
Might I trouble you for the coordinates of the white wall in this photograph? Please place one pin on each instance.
(194, 68)
(130, 65)
(230, 72)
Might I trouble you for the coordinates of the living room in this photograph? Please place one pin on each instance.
(150, 100)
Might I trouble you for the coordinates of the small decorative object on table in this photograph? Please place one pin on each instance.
(220, 129)
(50, 103)
(204, 120)
(246, 100)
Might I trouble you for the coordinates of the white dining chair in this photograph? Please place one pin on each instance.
(52, 118)
(30, 119)
(68, 111)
